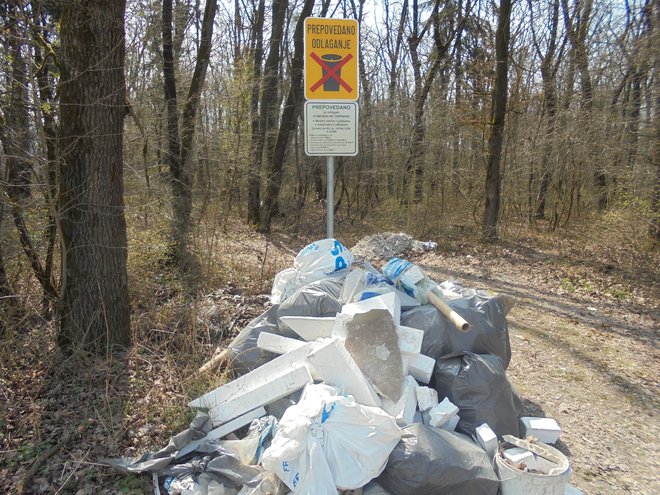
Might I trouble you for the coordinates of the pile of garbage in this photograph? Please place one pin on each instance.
(364, 381)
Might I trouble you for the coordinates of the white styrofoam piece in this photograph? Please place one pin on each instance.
(407, 302)
(487, 439)
(442, 413)
(277, 343)
(518, 455)
(310, 328)
(353, 285)
(404, 409)
(223, 430)
(410, 339)
(545, 429)
(388, 301)
(419, 366)
(279, 386)
(427, 398)
(451, 424)
(262, 375)
(333, 364)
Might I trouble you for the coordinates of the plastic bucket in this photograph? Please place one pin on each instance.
(513, 481)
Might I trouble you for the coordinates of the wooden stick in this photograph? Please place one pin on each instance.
(215, 362)
(453, 316)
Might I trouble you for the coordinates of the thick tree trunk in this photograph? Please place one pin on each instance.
(493, 179)
(287, 123)
(94, 306)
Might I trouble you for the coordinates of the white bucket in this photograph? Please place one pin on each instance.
(516, 482)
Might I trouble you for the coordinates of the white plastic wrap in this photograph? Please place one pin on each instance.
(328, 442)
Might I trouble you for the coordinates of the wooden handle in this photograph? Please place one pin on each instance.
(458, 321)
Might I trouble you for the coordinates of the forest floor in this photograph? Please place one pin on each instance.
(584, 351)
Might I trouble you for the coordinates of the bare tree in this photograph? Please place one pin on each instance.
(498, 113)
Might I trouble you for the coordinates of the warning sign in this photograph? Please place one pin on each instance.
(331, 59)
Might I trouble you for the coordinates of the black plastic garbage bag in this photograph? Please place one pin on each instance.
(316, 299)
(478, 386)
(488, 334)
(433, 461)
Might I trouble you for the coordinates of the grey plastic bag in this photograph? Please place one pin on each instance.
(433, 461)
(478, 385)
(489, 333)
(320, 298)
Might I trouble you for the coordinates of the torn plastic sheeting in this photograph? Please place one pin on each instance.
(252, 446)
(157, 461)
(315, 299)
(478, 386)
(328, 441)
(489, 333)
(431, 461)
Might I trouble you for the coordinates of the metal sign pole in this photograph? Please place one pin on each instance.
(330, 197)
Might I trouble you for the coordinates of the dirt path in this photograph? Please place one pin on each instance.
(585, 352)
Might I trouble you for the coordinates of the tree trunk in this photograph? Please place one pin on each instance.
(654, 227)
(268, 116)
(18, 143)
(94, 306)
(254, 173)
(493, 179)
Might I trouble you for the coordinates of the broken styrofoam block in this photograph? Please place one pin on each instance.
(487, 439)
(442, 413)
(427, 398)
(451, 424)
(545, 429)
(372, 341)
(260, 376)
(419, 366)
(519, 456)
(388, 301)
(404, 409)
(222, 431)
(410, 339)
(310, 328)
(280, 385)
(333, 364)
(277, 344)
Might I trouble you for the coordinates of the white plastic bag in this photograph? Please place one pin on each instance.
(318, 260)
(328, 442)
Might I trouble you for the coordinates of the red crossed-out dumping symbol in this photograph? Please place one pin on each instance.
(331, 72)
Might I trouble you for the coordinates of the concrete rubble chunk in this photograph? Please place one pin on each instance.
(388, 301)
(333, 364)
(427, 398)
(372, 341)
(419, 366)
(487, 439)
(310, 328)
(280, 385)
(545, 429)
(222, 431)
(442, 413)
(255, 378)
(410, 339)
(404, 409)
(277, 343)
(519, 455)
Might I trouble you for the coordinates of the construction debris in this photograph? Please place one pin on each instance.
(332, 383)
